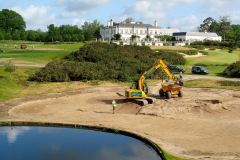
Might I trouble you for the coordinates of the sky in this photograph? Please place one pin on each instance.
(185, 15)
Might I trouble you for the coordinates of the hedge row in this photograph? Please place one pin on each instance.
(215, 44)
(101, 61)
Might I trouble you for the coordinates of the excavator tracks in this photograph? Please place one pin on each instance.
(143, 102)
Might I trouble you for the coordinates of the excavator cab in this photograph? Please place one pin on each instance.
(134, 91)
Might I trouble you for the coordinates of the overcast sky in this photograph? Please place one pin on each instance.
(183, 14)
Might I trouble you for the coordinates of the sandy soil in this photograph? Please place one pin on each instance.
(204, 124)
(199, 54)
(20, 63)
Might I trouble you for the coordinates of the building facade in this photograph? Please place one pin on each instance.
(139, 30)
(196, 36)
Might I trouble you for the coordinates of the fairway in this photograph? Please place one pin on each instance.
(34, 56)
(40, 53)
(215, 61)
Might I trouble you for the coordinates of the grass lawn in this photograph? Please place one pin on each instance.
(215, 62)
(41, 53)
(168, 156)
(16, 85)
(33, 56)
(206, 83)
(6, 45)
(66, 46)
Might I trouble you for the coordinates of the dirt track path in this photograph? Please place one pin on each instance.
(20, 63)
(204, 124)
(192, 77)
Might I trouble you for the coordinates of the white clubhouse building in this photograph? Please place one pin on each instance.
(148, 34)
(196, 36)
(140, 30)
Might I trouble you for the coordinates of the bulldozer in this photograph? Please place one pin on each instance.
(139, 90)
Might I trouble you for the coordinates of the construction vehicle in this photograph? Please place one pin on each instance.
(139, 90)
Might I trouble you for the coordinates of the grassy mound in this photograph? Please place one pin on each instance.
(233, 70)
(101, 61)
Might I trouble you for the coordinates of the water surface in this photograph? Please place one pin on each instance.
(49, 143)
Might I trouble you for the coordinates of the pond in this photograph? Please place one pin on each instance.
(50, 143)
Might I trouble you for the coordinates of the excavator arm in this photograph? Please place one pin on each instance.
(140, 92)
(160, 64)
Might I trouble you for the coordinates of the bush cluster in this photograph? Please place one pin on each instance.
(233, 70)
(215, 44)
(191, 52)
(102, 61)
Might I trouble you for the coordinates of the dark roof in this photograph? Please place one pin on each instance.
(195, 34)
(136, 25)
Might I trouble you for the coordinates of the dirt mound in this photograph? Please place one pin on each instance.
(200, 102)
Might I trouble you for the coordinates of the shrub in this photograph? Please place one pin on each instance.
(102, 61)
(204, 52)
(10, 67)
(191, 52)
(1, 51)
(171, 57)
(233, 70)
(215, 44)
(199, 47)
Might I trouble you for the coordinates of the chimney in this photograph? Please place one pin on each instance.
(108, 24)
(111, 23)
(155, 24)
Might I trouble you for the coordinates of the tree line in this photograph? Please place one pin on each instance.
(13, 27)
(223, 27)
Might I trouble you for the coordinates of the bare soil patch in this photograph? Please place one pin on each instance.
(204, 124)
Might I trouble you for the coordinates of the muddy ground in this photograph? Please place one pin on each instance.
(204, 124)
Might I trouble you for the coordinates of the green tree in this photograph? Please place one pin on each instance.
(31, 35)
(133, 37)
(148, 38)
(1, 36)
(225, 26)
(11, 21)
(51, 32)
(7, 36)
(16, 35)
(166, 38)
(117, 36)
(205, 26)
(214, 27)
(128, 20)
(236, 32)
(91, 31)
(23, 35)
(66, 33)
(232, 47)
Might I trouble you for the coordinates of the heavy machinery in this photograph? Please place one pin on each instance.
(139, 90)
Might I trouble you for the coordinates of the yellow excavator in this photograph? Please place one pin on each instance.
(139, 90)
